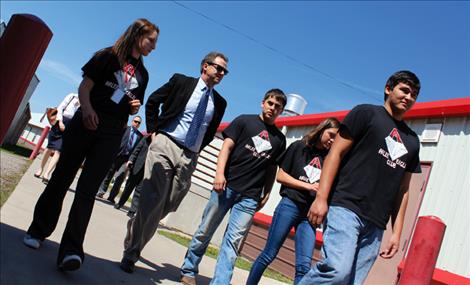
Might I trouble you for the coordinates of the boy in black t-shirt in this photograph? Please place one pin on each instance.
(368, 171)
(245, 173)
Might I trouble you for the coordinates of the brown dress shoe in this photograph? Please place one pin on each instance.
(187, 280)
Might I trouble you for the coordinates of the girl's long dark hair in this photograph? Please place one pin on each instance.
(311, 138)
(125, 43)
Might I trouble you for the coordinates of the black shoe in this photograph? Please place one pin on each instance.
(45, 180)
(70, 263)
(111, 201)
(127, 265)
(117, 206)
(31, 242)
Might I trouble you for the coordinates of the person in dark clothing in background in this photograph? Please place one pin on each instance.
(129, 141)
(136, 168)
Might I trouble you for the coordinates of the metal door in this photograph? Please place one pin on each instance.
(384, 271)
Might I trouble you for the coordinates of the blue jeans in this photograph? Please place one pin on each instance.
(241, 216)
(350, 247)
(287, 215)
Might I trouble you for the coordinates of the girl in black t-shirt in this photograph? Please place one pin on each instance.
(300, 168)
(113, 86)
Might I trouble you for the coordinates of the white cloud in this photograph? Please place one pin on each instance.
(61, 71)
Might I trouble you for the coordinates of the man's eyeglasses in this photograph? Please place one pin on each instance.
(218, 67)
(137, 122)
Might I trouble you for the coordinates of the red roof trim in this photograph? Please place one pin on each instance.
(436, 109)
(30, 142)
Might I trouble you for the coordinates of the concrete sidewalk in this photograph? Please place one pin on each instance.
(103, 246)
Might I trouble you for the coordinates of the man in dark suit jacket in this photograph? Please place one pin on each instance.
(128, 142)
(191, 111)
(136, 171)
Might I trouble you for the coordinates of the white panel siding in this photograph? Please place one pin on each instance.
(447, 193)
(207, 162)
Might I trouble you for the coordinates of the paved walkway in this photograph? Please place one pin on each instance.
(103, 247)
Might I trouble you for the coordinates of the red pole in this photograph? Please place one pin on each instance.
(37, 148)
(22, 46)
(424, 250)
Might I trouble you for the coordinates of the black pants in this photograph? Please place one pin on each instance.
(98, 148)
(117, 164)
(132, 182)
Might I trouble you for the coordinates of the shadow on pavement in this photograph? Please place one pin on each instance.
(22, 265)
(170, 272)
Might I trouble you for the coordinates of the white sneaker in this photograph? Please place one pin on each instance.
(31, 242)
(70, 263)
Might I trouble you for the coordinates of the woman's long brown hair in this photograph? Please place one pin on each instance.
(125, 43)
(311, 138)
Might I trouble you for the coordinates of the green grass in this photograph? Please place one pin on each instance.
(213, 252)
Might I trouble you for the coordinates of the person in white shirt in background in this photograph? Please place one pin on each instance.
(65, 112)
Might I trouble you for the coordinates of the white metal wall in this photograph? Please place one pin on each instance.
(448, 190)
(32, 134)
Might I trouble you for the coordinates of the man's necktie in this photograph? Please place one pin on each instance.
(198, 118)
(130, 143)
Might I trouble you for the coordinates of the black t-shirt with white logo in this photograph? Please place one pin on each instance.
(303, 163)
(257, 145)
(370, 174)
(110, 79)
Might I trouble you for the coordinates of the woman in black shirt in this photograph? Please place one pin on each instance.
(113, 86)
(300, 168)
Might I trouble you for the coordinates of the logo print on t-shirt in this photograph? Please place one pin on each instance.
(313, 170)
(125, 82)
(261, 141)
(395, 146)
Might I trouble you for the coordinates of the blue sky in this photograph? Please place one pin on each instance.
(335, 54)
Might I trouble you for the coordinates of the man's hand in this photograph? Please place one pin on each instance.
(135, 105)
(317, 212)
(391, 248)
(219, 183)
(90, 119)
(129, 165)
(61, 126)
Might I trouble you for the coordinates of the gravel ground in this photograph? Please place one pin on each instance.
(11, 162)
(13, 167)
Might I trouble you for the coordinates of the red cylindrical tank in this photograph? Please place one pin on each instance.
(37, 148)
(22, 46)
(424, 250)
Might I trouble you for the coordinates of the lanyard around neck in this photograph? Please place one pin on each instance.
(129, 72)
